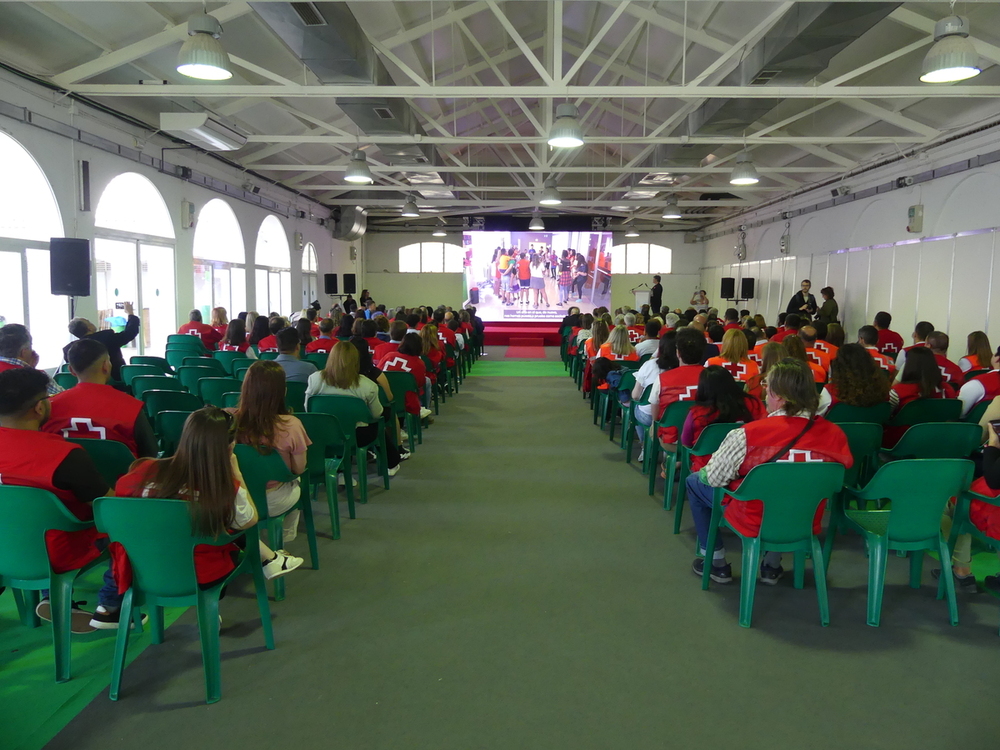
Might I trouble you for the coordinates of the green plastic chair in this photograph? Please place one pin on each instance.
(919, 490)
(928, 410)
(791, 493)
(708, 443)
(111, 458)
(258, 469)
(130, 372)
(142, 383)
(350, 410)
(229, 359)
(673, 416)
(629, 423)
(186, 340)
(267, 355)
(436, 389)
(328, 455)
(175, 357)
(212, 390)
(240, 369)
(157, 538)
(207, 361)
(864, 440)
(625, 385)
(168, 426)
(189, 376)
(231, 400)
(878, 414)
(65, 379)
(27, 514)
(455, 371)
(975, 374)
(401, 383)
(159, 362)
(962, 524)
(157, 401)
(937, 440)
(317, 359)
(295, 396)
(977, 411)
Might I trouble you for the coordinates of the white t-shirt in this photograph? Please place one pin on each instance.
(645, 376)
(649, 346)
(538, 272)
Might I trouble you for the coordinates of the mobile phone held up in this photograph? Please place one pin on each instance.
(119, 305)
(995, 424)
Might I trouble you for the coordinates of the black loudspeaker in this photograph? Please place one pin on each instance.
(728, 288)
(69, 266)
(350, 283)
(746, 289)
(330, 283)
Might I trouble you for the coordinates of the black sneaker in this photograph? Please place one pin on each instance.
(963, 584)
(720, 573)
(108, 619)
(992, 584)
(403, 453)
(79, 620)
(770, 575)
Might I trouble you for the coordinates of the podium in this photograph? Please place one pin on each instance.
(641, 298)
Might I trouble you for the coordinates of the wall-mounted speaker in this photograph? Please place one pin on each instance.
(330, 283)
(83, 185)
(728, 290)
(69, 266)
(746, 288)
(350, 283)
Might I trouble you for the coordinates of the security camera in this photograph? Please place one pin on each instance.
(743, 227)
(902, 182)
(839, 191)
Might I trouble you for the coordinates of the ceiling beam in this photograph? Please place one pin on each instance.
(516, 37)
(520, 202)
(596, 40)
(494, 140)
(675, 27)
(506, 169)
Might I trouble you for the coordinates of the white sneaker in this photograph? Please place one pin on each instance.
(642, 455)
(281, 564)
(403, 435)
(425, 412)
(342, 481)
(393, 470)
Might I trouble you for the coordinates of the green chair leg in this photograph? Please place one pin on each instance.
(61, 603)
(121, 648)
(208, 629)
(819, 572)
(799, 571)
(748, 578)
(307, 519)
(156, 624)
(713, 534)
(949, 582)
(670, 463)
(26, 602)
(878, 553)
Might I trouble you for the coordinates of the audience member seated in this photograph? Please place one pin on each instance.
(796, 349)
(985, 387)
(816, 355)
(32, 458)
(296, 371)
(978, 353)
(868, 338)
(922, 378)
(890, 343)
(791, 424)
(406, 358)
(95, 410)
(456, 328)
(732, 319)
(381, 327)
(984, 517)
(680, 383)
(342, 377)
(649, 375)
(302, 328)
(219, 320)
(365, 329)
(433, 349)
(618, 348)
(921, 331)
(113, 340)
(735, 358)
(790, 327)
(195, 327)
(270, 342)
(938, 342)
(259, 330)
(651, 339)
(16, 353)
(397, 329)
(235, 339)
(856, 379)
(203, 471)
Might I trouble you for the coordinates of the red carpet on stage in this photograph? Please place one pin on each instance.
(501, 333)
(525, 352)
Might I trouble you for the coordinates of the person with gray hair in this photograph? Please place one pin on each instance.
(629, 320)
(113, 341)
(671, 320)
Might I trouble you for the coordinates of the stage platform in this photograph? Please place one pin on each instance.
(501, 333)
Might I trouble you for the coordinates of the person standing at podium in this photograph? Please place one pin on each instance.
(656, 296)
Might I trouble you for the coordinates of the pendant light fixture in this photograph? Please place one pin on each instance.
(202, 56)
(953, 56)
(410, 210)
(439, 231)
(550, 193)
(536, 225)
(671, 210)
(630, 230)
(566, 131)
(358, 172)
(744, 173)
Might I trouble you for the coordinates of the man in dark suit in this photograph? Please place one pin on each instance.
(802, 301)
(113, 341)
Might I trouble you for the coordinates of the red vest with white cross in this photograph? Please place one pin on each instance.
(679, 384)
(97, 412)
(991, 384)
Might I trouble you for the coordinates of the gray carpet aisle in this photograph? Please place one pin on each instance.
(518, 589)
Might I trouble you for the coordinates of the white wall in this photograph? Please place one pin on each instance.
(862, 250)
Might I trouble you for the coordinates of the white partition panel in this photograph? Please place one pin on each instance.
(905, 273)
(819, 268)
(854, 307)
(934, 286)
(879, 282)
(970, 288)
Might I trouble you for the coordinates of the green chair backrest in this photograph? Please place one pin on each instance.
(977, 411)
(878, 414)
(939, 440)
(111, 458)
(864, 439)
(157, 401)
(175, 357)
(400, 383)
(168, 426)
(142, 383)
(629, 364)
(143, 359)
(711, 438)
(974, 374)
(157, 537)
(295, 396)
(348, 409)
(231, 400)
(209, 362)
(185, 339)
(28, 513)
(267, 355)
(65, 379)
(229, 359)
(791, 492)
(133, 371)
(919, 490)
(928, 410)
(190, 376)
(644, 359)
(675, 414)
(329, 439)
(317, 359)
(240, 369)
(258, 468)
(211, 390)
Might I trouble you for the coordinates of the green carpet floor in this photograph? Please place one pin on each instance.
(532, 368)
(517, 588)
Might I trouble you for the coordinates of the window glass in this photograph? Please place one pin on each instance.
(454, 259)
(309, 264)
(272, 245)
(28, 208)
(131, 203)
(12, 299)
(217, 234)
(409, 259)
(637, 257)
(641, 258)
(431, 257)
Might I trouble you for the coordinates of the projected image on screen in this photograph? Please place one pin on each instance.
(537, 275)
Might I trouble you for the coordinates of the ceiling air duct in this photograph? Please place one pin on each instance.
(349, 223)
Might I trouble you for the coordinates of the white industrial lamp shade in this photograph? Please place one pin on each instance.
(671, 210)
(410, 210)
(631, 231)
(357, 170)
(439, 232)
(550, 194)
(566, 131)
(536, 225)
(744, 173)
(953, 56)
(202, 55)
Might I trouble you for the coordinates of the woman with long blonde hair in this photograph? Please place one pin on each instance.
(979, 354)
(618, 347)
(219, 319)
(735, 359)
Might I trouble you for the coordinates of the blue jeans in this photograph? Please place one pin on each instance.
(700, 497)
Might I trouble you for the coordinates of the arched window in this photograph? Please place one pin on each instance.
(273, 264)
(29, 216)
(431, 257)
(220, 276)
(640, 258)
(310, 277)
(134, 260)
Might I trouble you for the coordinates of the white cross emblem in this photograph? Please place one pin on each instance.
(737, 369)
(619, 357)
(815, 358)
(398, 364)
(84, 427)
(944, 374)
(890, 347)
(633, 336)
(755, 357)
(799, 456)
(689, 393)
